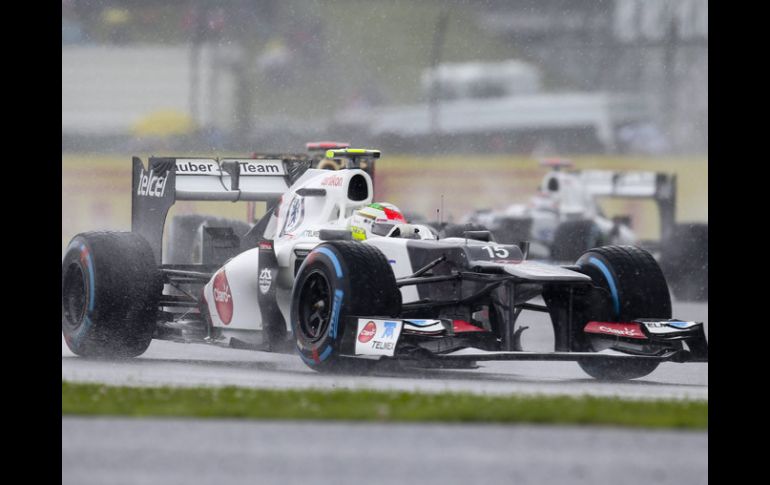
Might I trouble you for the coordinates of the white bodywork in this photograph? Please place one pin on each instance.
(295, 228)
(242, 287)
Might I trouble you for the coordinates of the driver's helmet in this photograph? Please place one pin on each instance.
(375, 219)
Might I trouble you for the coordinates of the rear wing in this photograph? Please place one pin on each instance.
(322, 146)
(632, 184)
(280, 156)
(636, 185)
(168, 179)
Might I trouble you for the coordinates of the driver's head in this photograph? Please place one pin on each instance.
(375, 219)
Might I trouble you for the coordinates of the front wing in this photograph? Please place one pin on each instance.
(436, 339)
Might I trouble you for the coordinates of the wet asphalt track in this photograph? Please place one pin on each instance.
(191, 451)
(175, 451)
(168, 363)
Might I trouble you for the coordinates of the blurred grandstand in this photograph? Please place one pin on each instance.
(575, 76)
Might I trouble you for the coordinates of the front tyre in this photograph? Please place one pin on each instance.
(339, 279)
(637, 289)
(110, 292)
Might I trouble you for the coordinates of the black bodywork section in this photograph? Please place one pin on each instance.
(148, 212)
(274, 325)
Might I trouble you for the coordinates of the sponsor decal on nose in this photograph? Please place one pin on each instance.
(368, 332)
(332, 181)
(389, 328)
(377, 337)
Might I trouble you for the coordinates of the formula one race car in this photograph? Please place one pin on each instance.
(564, 219)
(347, 283)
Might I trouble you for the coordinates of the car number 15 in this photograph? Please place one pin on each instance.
(496, 252)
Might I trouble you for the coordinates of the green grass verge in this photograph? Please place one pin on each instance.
(383, 406)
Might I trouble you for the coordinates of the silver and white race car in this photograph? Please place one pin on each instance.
(564, 219)
(347, 283)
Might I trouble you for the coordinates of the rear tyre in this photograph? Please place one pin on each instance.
(573, 238)
(110, 292)
(339, 279)
(637, 289)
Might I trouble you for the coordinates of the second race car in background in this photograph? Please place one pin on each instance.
(564, 219)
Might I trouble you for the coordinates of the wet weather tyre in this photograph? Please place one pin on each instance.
(637, 289)
(339, 279)
(110, 292)
(573, 238)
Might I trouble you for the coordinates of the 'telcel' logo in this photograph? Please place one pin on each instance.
(151, 185)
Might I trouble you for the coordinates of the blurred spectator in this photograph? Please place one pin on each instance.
(306, 40)
(277, 62)
(212, 22)
(215, 21)
(117, 21)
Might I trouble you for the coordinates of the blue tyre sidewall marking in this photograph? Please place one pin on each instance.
(328, 252)
(307, 361)
(325, 354)
(610, 281)
(86, 324)
(336, 308)
(322, 356)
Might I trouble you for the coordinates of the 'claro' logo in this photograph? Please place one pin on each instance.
(223, 299)
(368, 332)
(151, 185)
